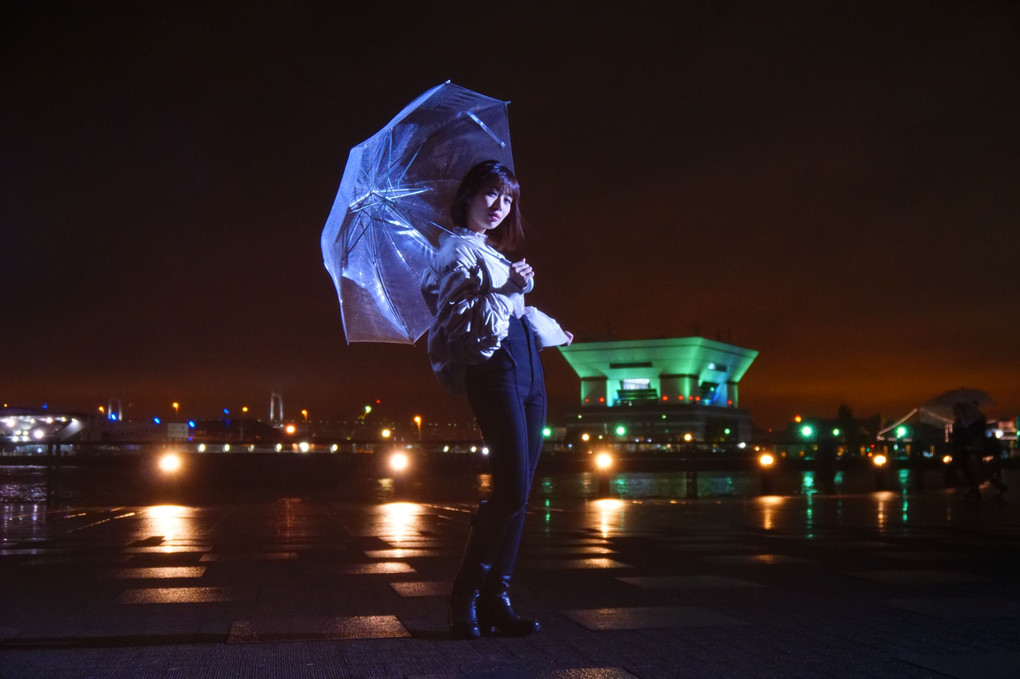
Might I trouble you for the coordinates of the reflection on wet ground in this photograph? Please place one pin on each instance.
(646, 583)
(76, 486)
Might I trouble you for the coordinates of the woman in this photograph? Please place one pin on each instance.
(484, 342)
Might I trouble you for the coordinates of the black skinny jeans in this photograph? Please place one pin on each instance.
(507, 394)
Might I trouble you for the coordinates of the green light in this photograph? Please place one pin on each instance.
(835, 432)
(727, 431)
(547, 432)
(807, 431)
(901, 431)
(621, 430)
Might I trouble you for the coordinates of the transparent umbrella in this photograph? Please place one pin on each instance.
(941, 407)
(393, 204)
(962, 395)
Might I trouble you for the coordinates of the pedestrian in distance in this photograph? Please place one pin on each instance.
(484, 343)
(975, 454)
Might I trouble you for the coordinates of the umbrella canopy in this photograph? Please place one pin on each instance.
(940, 409)
(394, 202)
(949, 398)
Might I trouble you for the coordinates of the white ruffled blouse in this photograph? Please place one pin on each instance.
(469, 291)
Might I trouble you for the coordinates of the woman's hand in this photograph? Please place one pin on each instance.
(520, 273)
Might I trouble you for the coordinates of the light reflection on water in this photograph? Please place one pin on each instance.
(73, 487)
(22, 484)
(173, 523)
(400, 522)
(610, 516)
(770, 505)
(641, 485)
(22, 522)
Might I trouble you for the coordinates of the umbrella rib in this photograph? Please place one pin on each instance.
(385, 293)
(407, 165)
(390, 197)
(485, 128)
(350, 248)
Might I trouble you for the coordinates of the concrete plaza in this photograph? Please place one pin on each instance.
(870, 585)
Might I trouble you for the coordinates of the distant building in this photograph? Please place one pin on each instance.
(29, 429)
(660, 389)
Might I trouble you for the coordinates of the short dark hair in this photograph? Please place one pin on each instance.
(485, 175)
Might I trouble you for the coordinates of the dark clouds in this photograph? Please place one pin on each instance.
(831, 184)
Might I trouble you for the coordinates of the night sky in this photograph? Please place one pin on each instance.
(833, 184)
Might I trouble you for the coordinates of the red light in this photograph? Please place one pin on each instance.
(681, 397)
(729, 403)
(665, 398)
(586, 400)
(602, 399)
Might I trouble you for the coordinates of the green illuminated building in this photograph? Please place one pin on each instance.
(661, 389)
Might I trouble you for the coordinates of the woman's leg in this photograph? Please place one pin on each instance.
(502, 419)
(507, 395)
(534, 411)
(494, 608)
(493, 394)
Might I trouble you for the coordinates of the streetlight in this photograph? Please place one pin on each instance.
(603, 467)
(170, 463)
(767, 463)
(417, 421)
(177, 407)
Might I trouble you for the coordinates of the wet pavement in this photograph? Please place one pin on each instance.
(878, 584)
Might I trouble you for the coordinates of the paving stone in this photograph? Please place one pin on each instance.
(758, 559)
(649, 617)
(959, 607)
(259, 556)
(993, 665)
(576, 564)
(159, 573)
(686, 582)
(917, 577)
(432, 588)
(184, 595)
(321, 628)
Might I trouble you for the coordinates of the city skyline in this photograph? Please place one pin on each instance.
(829, 186)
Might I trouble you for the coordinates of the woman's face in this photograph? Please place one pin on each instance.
(487, 209)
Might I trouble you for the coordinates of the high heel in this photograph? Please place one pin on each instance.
(463, 614)
(495, 612)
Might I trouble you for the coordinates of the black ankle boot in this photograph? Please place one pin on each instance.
(463, 613)
(495, 612)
